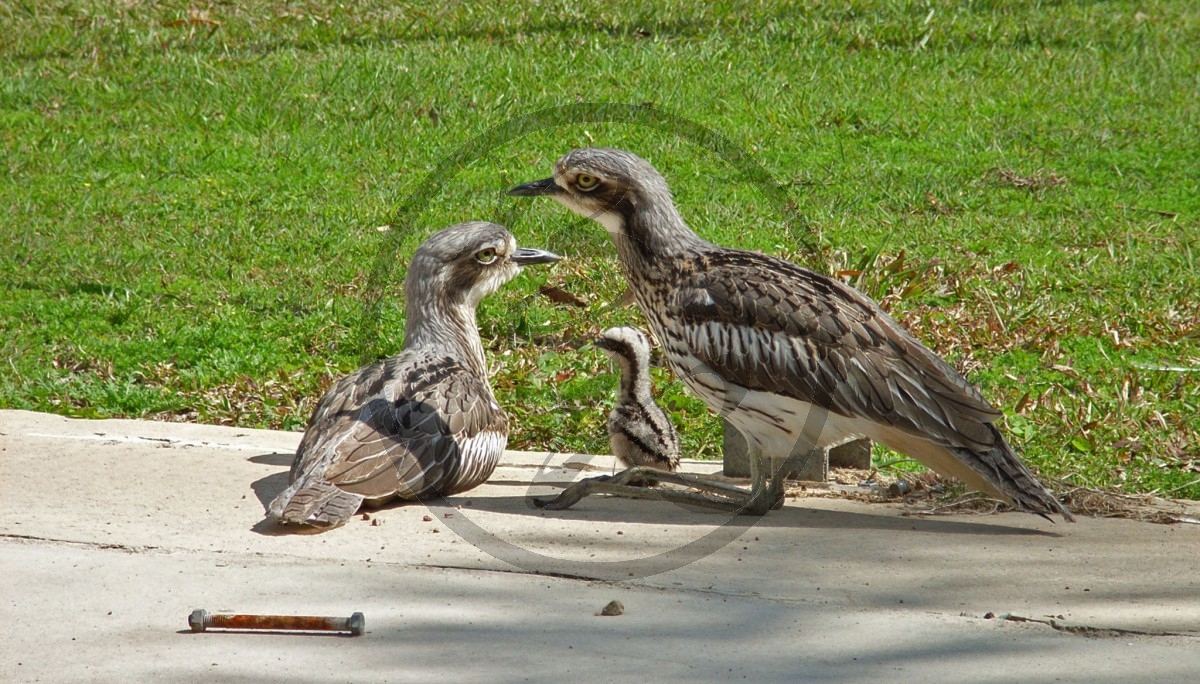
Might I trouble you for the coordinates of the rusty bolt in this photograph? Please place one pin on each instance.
(201, 620)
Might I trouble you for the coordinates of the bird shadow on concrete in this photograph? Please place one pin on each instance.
(820, 518)
(269, 487)
(602, 509)
(614, 510)
(274, 459)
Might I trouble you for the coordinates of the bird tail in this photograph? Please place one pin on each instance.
(1003, 470)
(311, 501)
(996, 471)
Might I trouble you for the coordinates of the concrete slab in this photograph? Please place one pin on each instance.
(111, 532)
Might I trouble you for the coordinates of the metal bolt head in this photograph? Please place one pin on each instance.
(198, 620)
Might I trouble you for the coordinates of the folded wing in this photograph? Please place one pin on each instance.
(407, 427)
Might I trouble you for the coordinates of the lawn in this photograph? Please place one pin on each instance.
(207, 208)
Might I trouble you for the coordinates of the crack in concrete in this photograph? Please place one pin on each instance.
(127, 548)
(1060, 625)
(169, 442)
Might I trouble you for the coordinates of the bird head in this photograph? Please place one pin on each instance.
(627, 344)
(600, 183)
(469, 261)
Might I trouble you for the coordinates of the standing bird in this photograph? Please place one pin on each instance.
(789, 357)
(639, 432)
(424, 423)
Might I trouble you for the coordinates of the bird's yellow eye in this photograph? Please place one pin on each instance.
(485, 256)
(586, 182)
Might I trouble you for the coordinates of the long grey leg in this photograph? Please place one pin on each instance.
(723, 496)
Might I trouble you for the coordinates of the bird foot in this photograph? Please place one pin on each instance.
(757, 504)
(643, 482)
(628, 484)
(572, 494)
(765, 500)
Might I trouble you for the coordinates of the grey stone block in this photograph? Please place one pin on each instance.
(855, 454)
(800, 465)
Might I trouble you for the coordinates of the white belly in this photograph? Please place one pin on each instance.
(779, 425)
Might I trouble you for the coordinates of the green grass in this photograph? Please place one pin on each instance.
(192, 194)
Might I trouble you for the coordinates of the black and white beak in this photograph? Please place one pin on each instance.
(545, 186)
(527, 256)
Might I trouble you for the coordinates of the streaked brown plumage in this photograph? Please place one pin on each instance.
(423, 423)
(788, 356)
(639, 432)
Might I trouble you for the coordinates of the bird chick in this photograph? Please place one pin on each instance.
(639, 432)
(424, 423)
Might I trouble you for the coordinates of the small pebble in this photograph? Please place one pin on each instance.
(614, 607)
(426, 519)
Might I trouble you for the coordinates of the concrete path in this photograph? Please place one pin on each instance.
(111, 532)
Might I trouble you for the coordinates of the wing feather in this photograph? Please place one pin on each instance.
(819, 341)
(410, 426)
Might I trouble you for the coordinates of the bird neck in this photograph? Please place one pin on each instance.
(445, 327)
(635, 380)
(652, 237)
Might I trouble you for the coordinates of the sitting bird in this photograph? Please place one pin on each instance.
(789, 357)
(424, 423)
(639, 432)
